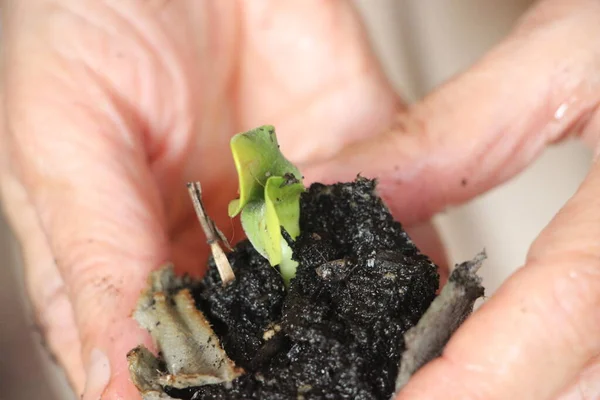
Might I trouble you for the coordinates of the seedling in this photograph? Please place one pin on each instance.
(269, 196)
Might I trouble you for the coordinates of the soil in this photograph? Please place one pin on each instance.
(338, 333)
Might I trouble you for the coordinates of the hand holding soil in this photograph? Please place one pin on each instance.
(111, 107)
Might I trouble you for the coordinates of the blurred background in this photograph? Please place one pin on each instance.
(421, 44)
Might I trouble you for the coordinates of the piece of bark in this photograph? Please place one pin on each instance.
(447, 312)
(191, 352)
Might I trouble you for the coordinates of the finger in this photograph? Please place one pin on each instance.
(428, 241)
(489, 123)
(541, 328)
(85, 173)
(53, 311)
(104, 248)
(54, 314)
(307, 67)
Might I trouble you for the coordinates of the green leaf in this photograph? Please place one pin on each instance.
(254, 222)
(282, 198)
(264, 232)
(280, 207)
(257, 158)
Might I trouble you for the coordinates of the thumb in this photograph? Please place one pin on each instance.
(486, 125)
(85, 174)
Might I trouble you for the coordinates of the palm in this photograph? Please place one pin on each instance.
(149, 94)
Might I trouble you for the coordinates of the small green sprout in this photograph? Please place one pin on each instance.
(269, 196)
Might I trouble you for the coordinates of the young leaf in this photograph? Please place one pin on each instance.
(263, 233)
(282, 196)
(262, 220)
(257, 157)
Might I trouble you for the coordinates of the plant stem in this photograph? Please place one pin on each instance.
(213, 235)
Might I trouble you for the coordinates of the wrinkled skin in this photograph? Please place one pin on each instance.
(110, 106)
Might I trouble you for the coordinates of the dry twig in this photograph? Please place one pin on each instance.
(213, 235)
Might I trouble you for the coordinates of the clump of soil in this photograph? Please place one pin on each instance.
(358, 320)
(338, 332)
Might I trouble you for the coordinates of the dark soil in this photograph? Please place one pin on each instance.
(338, 333)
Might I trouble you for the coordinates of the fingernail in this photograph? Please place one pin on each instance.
(97, 375)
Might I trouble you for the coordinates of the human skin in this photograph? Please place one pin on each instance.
(111, 106)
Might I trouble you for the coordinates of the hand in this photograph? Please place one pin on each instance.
(112, 106)
(538, 337)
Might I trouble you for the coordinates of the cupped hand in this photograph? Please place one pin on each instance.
(538, 336)
(110, 107)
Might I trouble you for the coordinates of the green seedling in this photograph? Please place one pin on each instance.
(269, 196)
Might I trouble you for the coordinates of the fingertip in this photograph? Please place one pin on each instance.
(107, 374)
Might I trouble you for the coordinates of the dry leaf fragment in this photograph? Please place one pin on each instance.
(190, 350)
(426, 340)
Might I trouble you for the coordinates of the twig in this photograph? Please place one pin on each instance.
(213, 235)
